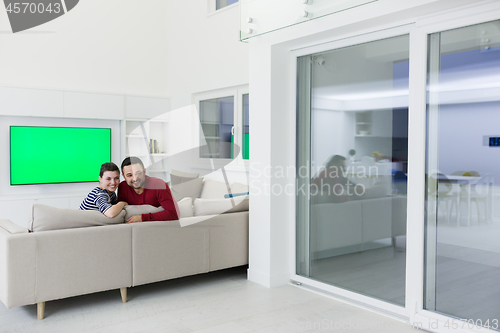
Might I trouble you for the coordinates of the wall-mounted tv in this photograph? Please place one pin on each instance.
(48, 155)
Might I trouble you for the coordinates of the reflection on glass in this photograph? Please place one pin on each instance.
(217, 121)
(463, 111)
(264, 16)
(246, 126)
(352, 139)
(223, 3)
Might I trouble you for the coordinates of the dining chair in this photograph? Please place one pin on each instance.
(455, 192)
(480, 192)
(441, 189)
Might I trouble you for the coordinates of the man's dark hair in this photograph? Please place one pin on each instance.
(132, 160)
(110, 166)
(334, 160)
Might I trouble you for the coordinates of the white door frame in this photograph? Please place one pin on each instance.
(418, 30)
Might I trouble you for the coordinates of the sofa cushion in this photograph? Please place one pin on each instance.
(12, 228)
(190, 189)
(219, 206)
(178, 177)
(132, 210)
(376, 191)
(184, 222)
(185, 208)
(213, 189)
(51, 218)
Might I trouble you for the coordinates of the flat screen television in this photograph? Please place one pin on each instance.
(50, 155)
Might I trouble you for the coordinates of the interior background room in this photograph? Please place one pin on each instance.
(95, 64)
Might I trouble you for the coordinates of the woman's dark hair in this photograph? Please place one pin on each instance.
(334, 160)
(110, 166)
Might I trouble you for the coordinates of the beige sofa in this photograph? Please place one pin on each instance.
(36, 267)
(354, 226)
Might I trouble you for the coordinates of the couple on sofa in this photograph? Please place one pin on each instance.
(136, 189)
(331, 185)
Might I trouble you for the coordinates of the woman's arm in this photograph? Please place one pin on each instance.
(115, 209)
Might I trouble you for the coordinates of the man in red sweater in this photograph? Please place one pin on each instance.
(139, 189)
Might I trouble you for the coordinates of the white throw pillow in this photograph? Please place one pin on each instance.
(186, 207)
(219, 206)
(140, 209)
(190, 189)
(213, 189)
(239, 188)
(52, 218)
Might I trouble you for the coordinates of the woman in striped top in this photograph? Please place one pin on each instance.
(103, 197)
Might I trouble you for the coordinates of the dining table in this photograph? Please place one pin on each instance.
(468, 182)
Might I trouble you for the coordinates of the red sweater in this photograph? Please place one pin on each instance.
(156, 193)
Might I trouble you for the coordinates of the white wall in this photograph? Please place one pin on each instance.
(114, 46)
(158, 48)
(461, 131)
(205, 54)
(204, 50)
(326, 136)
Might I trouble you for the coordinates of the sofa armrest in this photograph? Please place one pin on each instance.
(17, 267)
(12, 228)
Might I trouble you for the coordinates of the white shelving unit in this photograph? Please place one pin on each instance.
(363, 123)
(138, 136)
(374, 124)
(146, 118)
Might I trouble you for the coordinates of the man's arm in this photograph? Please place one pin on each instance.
(167, 201)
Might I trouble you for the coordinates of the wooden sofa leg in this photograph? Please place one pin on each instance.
(40, 309)
(123, 292)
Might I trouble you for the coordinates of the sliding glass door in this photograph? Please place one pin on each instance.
(462, 259)
(352, 153)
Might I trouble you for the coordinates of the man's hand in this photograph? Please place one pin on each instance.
(135, 218)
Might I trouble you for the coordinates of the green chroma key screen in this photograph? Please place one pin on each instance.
(46, 155)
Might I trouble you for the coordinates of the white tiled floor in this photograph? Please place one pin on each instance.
(219, 302)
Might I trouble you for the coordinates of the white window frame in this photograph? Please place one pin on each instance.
(418, 30)
(212, 7)
(237, 92)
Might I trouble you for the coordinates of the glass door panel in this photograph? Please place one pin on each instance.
(352, 150)
(462, 262)
(246, 126)
(217, 123)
